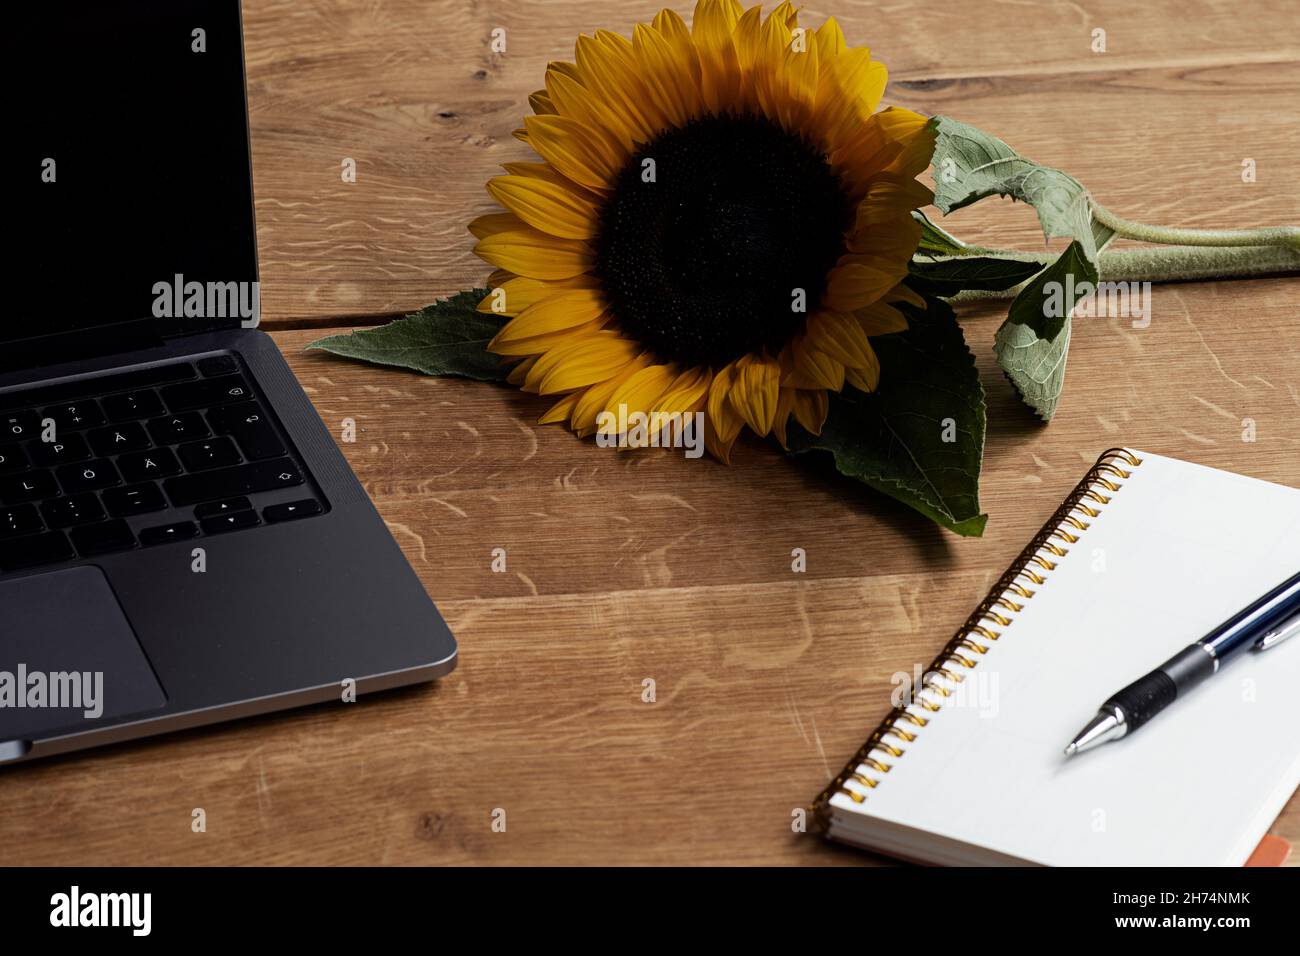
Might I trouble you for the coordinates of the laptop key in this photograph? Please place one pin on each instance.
(214, 509)
(88, 476)
(217, 365)
(209, 453)
(75, 416)
(148, 465)
(133, 406)
(292, 510)
(103, 538)
(76, 509)
(34, 549)
(233, 482)
(20, 519)
(71, 447)
(248, 425)
(12, 459)
(231, 522)
(16, 426)
(172, 429)
(84, 388)
(27, 486)
(119, 439)
(134, 500)
(180, 531)
(206, 392)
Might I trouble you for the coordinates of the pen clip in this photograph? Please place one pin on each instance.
(1276, 635)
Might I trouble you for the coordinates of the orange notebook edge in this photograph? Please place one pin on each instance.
(1272, 851)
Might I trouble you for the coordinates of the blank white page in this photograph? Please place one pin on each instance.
(1179, 549)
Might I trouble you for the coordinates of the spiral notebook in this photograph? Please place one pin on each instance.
(1145, 556)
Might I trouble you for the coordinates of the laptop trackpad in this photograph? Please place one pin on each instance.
(68, 657)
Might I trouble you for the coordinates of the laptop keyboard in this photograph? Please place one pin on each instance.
(141, 458)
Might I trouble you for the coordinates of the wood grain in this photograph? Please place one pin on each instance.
(1157, 126)
(623, 568)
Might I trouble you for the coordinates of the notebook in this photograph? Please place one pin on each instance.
(1145, 556)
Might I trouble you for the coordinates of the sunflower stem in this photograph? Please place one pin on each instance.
(1288, 236)
(1159, 264)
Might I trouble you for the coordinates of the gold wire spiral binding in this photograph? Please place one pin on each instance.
(947, 666)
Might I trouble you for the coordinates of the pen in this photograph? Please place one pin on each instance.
(1264, 624)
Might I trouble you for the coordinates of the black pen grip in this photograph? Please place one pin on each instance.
(1144, 698)
(1147, 696)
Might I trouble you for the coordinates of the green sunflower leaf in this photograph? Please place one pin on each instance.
(449, 337)
(1033, 343)
(936, 241)
(970, 164)
(947, 277)
(1035, 366)
(1044, 305)
(919, 437)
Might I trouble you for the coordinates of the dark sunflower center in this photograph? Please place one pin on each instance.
(721, 245)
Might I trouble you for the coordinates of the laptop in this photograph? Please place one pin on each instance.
(181, 541)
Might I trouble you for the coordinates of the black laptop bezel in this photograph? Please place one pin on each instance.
(132, 333)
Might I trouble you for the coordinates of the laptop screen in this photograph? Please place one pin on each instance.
(128, 172)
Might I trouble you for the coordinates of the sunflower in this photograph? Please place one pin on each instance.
(720, 222)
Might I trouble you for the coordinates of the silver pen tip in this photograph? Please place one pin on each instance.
(1108, 725)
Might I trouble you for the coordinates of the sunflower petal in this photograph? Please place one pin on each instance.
(586, 154)
(830, 40)
(666, 74)
(849, 92)
(881, 319)
(597, 396)
(915, 133)
(685, 394)
(548, 173)
(678, 37)
(787, 13)
(867, 378)
(519, 292)
(712, 27)
(719, 446)
(810, 408)
(801, 72)
(637, 394)
(494, 222)
(546, 206)
(576, 102)
(901, 293)
(769, 77)
(724, 420)
(840, 337)
(591, 359)
(537, 344)
(555, 313)
(896, 239)
(541, 103)
(755, 392)
(532, 253)
(810, 368)
(608, 69)
(854, 284)
(561, 410)
(520, 371)
(888, 197)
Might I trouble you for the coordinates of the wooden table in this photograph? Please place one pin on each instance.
(627, 568)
